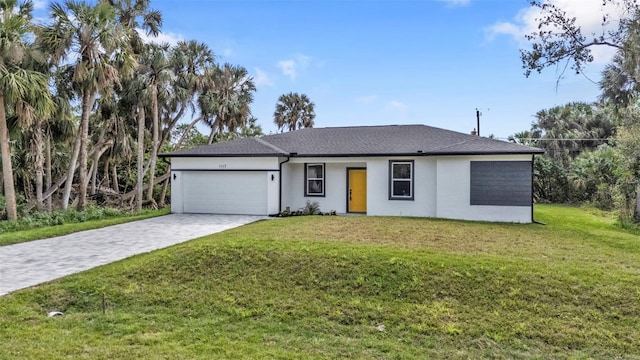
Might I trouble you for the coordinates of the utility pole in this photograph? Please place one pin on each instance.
(478, 114)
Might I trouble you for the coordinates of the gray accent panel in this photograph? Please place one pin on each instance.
(502, 183)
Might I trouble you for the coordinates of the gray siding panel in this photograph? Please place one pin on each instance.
(503, 183)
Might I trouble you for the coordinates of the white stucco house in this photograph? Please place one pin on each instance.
(396, 170)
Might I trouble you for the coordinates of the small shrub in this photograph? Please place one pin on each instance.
(311, 208)
(629, 225)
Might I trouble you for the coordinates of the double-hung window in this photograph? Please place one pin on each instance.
(401, 180)
(313, 179)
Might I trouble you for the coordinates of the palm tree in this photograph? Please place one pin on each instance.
(134, 14)
(190, 59)
(294, 111)
(224, 104)
(526, 137)
(58, 132)
(23, 91)
(100, 45)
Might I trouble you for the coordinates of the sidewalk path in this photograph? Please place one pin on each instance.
(31, 263)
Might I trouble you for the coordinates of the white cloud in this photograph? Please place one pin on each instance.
(368, 99)
(588, 14)
(398, 107)
(162, 38)
(292, 67)
(228, 52)
(505, 28)
(262, 78)
(456, 2)
(288, 68)
(39, 4)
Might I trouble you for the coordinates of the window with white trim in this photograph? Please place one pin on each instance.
(401, 180)
(313, 179)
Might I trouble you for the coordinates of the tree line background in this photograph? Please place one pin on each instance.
(592, 150)
(87, 106)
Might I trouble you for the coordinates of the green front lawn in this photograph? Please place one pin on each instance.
(351, 287)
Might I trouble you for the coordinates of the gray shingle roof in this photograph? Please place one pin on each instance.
(360, 141)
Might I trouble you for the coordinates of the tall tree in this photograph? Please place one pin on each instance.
(190, 59)
(628, 148)
(23, 91)
(134, 14)
(100, 47)
(155, 68)
(225, 99)
(559, 40)
(566, 131)
(294, 111)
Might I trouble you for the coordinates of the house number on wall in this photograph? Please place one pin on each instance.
(222, 166)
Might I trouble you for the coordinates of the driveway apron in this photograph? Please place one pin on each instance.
(31, 263)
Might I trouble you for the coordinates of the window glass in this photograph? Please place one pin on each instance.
(401, 180)
(314, 181)
(314, 171)
(315, 186)
(401, 188)
(402, 171)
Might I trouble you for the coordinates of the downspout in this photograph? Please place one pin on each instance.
(280, 178)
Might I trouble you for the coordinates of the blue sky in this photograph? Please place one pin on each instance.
(369, 62)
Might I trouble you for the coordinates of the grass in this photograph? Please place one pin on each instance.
(351, 287)
(9, 237)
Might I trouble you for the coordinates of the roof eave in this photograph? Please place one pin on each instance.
(466, 153)
(219, 155)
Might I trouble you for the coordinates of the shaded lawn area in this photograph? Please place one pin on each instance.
(44, 232)
(351, 287)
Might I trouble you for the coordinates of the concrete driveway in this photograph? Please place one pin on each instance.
(31, 263)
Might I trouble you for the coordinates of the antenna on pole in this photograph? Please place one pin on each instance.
(478, 114)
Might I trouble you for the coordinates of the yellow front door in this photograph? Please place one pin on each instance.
(357, 190)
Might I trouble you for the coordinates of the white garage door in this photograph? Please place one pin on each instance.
(225, 192)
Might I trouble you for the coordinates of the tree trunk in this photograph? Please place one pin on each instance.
(185, 134)
(73, 163)
(166, 132)
(63, 179)
(158, 180)
(94, 172)
(96, 153)
(155, 140)
(89, 175)
(140, 158)
(163, 195)
(636, 214)
(47, 155)
(115, 179)
(88, 98)
(105, 173)
(27, 190)
(7, 170)
(39, 165)
(211, 135)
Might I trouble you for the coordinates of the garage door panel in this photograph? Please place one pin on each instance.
(225, 192)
